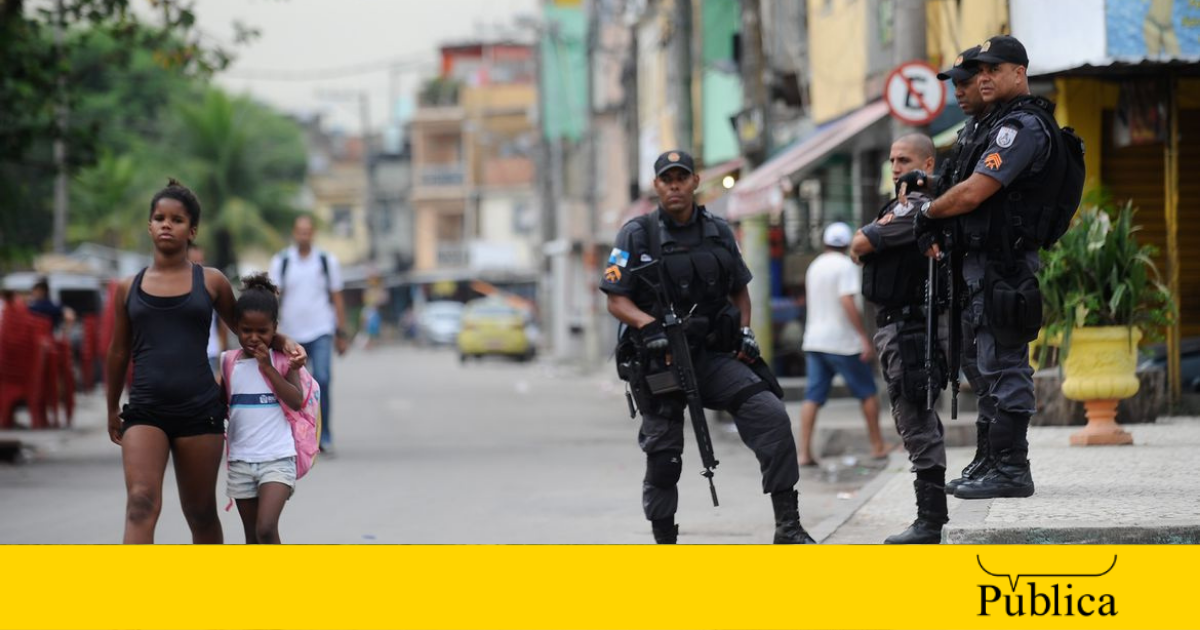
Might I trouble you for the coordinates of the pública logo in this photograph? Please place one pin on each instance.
(1053, 594)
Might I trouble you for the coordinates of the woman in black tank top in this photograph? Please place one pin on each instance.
(176, 408)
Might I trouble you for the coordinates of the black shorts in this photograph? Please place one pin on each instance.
(203, 423)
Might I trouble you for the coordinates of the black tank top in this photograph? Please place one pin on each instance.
(171, 374)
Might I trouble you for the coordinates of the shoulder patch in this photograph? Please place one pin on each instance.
(612, 274)
(618, 257)
(1006, 136)
(902, 209)
(886, 219)
(993, 161)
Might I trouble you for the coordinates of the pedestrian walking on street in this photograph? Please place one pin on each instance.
(967, 151)
(262, 451)
(894, 279)
(312, 310)
(835, 341)
(162, 319)
(706, 281)
(1020, 197)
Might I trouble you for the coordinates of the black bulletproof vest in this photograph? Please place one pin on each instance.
(969, 150)
(895, 277)
(1026, 197)
(699, 265)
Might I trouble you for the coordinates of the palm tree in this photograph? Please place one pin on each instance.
(246, 163)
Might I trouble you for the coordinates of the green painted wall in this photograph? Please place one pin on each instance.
(564, 72)
(721, 90)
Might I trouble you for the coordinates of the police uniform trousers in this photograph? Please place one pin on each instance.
(1003, 370)
(762, 422)
(920, 429)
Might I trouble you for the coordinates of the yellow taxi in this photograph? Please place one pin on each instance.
(493, 326)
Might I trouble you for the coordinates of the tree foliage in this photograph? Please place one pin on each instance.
(140, 110)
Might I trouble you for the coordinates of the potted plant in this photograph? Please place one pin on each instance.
(1101, 294)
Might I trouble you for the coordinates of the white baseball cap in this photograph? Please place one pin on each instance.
(838, 235)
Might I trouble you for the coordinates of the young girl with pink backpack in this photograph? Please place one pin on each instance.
(274, 415)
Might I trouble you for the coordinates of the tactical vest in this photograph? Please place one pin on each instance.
(895, 277)
(1027, 196)
(701, 276)
(970, 148)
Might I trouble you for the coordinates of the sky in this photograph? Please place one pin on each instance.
(342, 48)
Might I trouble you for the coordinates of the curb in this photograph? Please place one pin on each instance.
(831, 524)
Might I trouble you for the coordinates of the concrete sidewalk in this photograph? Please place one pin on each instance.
(1148, 493)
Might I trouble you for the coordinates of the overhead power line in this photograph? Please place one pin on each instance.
(337, 72)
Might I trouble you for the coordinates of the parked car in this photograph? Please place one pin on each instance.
(493, 326)
(439, 322)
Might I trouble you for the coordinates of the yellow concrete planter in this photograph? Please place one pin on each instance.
(1100, 369)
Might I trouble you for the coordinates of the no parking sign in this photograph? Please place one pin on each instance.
(914, 94)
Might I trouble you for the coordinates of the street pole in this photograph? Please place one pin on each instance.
(591, 341)
(60, 139)
(374, 225)
(754, 229)
(908, 43)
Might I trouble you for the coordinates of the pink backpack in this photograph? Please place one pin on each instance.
(305, 423)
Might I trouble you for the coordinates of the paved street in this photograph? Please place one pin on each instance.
(433, 452)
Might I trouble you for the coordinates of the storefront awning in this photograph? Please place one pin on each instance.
(763, 189)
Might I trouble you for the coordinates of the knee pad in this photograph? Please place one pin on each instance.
(663, 469)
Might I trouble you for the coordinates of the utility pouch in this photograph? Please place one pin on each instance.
(764, 372)
(662, 382)
(627, 360)
(1012, 302)
(725, 334)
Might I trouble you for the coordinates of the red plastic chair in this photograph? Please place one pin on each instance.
(90, 352)
(23, 364)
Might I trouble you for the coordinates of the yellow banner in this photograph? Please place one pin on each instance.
(598, 587)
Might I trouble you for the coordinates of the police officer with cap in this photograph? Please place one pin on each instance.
(894, 277)
(708, 280)
(972, 140)
(999, 206)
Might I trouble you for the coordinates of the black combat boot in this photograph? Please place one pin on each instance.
(982, 462)
(931, 515)
(666, 532)
(1009, 477)
(788, 530)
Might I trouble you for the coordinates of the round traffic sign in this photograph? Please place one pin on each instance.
(914, 94)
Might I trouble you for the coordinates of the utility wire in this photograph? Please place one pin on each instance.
(337, 72)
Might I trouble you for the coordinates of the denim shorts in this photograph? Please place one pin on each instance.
(821, 368)
(246, 477)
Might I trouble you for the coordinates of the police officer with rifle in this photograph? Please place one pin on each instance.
(677, 281)
(967, 151)
(1019, 197)
(910, 338)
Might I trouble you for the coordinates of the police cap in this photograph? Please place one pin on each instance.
(674, 159)
(965, 66)
(1003, 49)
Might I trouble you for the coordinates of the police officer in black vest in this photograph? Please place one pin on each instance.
(894, 279)
(708, 279)
(967, 151)
(1000, 205)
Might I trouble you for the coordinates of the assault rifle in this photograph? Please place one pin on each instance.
(932, 384)
(680, 366)
(954, 312)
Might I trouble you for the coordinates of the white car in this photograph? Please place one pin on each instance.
(439, 323)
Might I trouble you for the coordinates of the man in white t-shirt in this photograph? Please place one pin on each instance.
(311, 309)
(835, 340)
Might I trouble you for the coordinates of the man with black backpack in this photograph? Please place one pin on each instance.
(311, 310)
(1020, 197)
